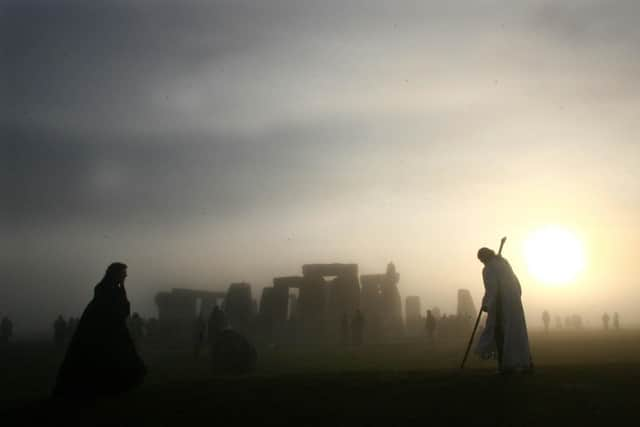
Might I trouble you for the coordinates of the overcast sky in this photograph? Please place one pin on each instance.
(204, 142)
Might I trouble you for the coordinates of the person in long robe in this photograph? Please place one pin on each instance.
(605, 321)
(546, 319)
(101, 358)
(430, 326)
(616, 321)
(505, 334)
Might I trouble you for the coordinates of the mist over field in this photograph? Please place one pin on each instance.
(205, 143)
(302, 212)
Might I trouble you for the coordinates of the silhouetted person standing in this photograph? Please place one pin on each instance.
(546, 319)
(6, 330)
(357, 328)
(344, 329)
(102, 359)
(199, 331)
(605, 321)
(59, 332)
(616, 321)
(430, 325)
(217, 323)
(505, 334)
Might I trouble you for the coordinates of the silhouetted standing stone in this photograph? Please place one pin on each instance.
(344, 329)
(381, 303)
(322, 303)
(266, 321)
(357, 328)
(466, 307)
(177, 309)
(101, 358)
(238, 306)
(392, 301)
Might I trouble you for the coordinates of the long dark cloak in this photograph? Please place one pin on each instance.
(101, 358)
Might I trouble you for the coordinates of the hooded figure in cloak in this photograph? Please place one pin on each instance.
(101, 358)
(505, 335)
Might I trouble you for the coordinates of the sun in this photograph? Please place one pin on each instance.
(554, 255)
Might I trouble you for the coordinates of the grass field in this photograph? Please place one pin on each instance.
(581, 378)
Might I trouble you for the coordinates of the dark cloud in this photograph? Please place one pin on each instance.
(53, 177)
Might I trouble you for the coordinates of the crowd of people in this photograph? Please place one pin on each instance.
(102, 345)
(605, 321)
(575, 321)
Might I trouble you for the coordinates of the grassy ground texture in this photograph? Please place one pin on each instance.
(581, 378)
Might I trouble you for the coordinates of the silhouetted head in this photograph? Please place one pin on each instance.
(115, 273)
(485, 255)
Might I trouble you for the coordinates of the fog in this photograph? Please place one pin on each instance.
(205, 143)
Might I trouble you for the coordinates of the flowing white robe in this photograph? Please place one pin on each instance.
(502, 300)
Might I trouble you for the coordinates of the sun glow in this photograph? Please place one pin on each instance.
(554, 255)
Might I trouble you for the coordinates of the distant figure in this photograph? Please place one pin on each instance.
(443, 326)
(59, 332)
(546, 318)
(151, 328)
(505, 334)
(217, 323)
(344, 329)
(605, 321)
(6, 330)
(430, 325)
(558, 322)
(357, 328)
(101, 358)
(616, 321)
(199, 333)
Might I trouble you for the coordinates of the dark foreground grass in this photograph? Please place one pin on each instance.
(590, 379)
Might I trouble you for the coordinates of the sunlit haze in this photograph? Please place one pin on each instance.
(205, 143)
(554, 255)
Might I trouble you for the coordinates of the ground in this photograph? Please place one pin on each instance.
(581, 378)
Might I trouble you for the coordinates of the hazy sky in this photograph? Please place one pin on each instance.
(204, 142)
